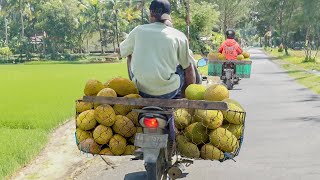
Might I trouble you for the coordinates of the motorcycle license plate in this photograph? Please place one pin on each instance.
(151, 141)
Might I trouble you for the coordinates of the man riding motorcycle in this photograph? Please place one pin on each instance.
(159, 60)
(230, 48)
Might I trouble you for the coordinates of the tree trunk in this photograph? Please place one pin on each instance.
(287, 28)
(286, 50)
(117, 31)
(260, 41)
(6, 31)
(105, 35)
(80, 44)
(114, 43)
(101, 43)
(21, 18)
(99, 27)
(225, 20)
(307, 48)
(88, 52)
(142, 12)
(316, 54)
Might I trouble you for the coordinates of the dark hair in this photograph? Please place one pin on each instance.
(160, 9)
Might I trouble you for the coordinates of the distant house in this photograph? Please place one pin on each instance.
(36, 39)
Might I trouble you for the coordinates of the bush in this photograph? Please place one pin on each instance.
(5, 51)
(280, 49)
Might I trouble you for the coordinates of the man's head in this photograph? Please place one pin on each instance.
(230, 33)
(160, 11)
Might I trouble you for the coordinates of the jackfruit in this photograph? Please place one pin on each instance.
(216, 92)
(197, 133)
(123, 86)
(195, 92)
(86, 120)
(223, 139)
(124, 126)
(105, 115)
(211, 119)
(93, 87)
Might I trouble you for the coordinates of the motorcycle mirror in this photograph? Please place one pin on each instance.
(202, 62)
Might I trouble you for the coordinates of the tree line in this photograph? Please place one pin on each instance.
(52, 27)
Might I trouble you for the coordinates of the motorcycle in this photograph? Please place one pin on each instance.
(230, 71)
(228, 74)
(158, 144)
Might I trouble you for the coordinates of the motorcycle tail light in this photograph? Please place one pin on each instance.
(151, 122)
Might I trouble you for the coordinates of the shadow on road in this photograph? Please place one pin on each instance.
(236, 89)
(257, 53)
(312, 98)
(311, 118)
(136, 176)
(262, 57)
(284, 72)
(184, 175)
(143, 176)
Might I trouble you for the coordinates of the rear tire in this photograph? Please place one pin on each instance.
(152, 173)
(198, 76)
(156, 171)
(229, 84)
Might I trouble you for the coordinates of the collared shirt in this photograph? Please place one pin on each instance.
(156, 51)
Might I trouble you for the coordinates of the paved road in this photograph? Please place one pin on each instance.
(282, 139)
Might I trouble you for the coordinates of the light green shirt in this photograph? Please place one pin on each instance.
(156, 51)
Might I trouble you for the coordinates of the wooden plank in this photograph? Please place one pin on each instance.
(164, 103)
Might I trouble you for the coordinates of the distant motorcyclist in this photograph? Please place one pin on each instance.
(230, 48)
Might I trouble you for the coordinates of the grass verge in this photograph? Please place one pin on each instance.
(35, 99)
(296, 58)
(298, 69)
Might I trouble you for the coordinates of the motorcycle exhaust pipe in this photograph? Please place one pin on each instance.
(176, 170)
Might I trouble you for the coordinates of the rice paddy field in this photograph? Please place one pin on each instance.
(35, 99)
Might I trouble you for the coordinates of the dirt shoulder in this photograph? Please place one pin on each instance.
(60, 159)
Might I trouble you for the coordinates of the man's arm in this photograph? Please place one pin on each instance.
(187, 63)
(129, 66)
(189, 78)
(238, 48)
(128, 62)
(221, 48)
(127, 46)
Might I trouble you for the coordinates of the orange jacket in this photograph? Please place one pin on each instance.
(231, 49)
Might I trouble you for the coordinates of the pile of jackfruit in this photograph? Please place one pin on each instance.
(209, 134)
(107, 129)
(110, 129)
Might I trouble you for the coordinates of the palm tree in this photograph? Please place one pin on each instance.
(85, 25)
(4, 5)
(114, 7)
(94, 8)
(20, 6)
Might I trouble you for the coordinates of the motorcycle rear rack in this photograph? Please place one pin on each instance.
(163, 103)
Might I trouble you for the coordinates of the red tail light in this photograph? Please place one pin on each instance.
(151, 122)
